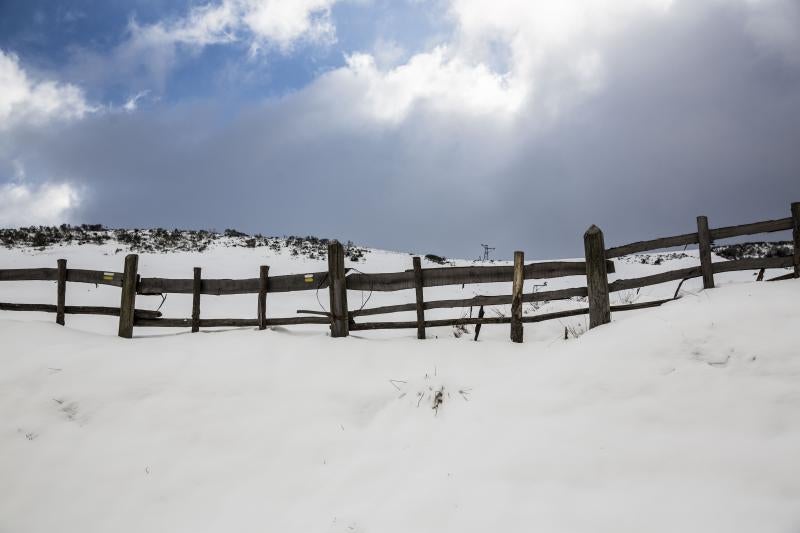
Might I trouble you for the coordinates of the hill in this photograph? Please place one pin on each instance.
(678, 418)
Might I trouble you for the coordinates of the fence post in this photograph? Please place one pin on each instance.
(796, 235)
(596, 277)
(263, 275)
(340, 323)
(128, 299)
(420, 300)
(516, 297)
(478, 326)
(704, 239)
(197, 285)
(62, 291)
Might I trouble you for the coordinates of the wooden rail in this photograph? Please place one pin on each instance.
(653, 244)
(477, 301)
(220, 287)
(76, 310)
(338, 280)
(768, 226)
(226, 322)
(51, 274)
(439, 277)
(501, 320)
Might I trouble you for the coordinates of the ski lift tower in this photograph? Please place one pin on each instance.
(486, 250)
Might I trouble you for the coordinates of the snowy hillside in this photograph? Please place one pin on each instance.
(677, 418)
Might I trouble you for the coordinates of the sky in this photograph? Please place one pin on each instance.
(429, 126)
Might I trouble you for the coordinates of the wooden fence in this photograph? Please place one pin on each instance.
(338, 280)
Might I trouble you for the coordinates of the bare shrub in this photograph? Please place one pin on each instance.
(628, 297)
(575, 329)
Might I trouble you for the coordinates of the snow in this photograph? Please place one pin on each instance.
(677, 418)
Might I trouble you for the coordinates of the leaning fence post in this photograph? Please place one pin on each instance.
(704, 240)
(478, 325)
(128, 299)
(796, 235)
(263, 276)
(420, 300)
(62, 291)
(596, 277)
(197, 285)
(516, 297)
(340, 324)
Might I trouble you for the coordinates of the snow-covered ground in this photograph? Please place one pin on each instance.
(677, 418)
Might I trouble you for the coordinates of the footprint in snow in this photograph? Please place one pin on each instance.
(69, 409)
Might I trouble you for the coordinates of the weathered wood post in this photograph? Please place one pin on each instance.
(478, 325)
(796, 235)
(128, 300)
(516, 297)
(596, 277)
(263, 277)
(420, 300)
(704, 240)
(62, 291)
(197, 285)
(340, 324)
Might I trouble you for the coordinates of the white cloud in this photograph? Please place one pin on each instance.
(285, 21)
(259, 22)
(133, 102)
(25, 100)
(433, 79)
(538, 56)
(504, 56)
(22, 204)
(202, 26)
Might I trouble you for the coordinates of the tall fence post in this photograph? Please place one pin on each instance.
(596, 277)
(62, 291)
(197, 285)
(340, 324)
(420, 300)
(516, 297)
(263, 276)
(128, 300)
(704, 240)
(796, 235)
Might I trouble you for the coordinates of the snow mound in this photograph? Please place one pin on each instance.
(678, 418)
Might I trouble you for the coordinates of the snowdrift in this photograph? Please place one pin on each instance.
(678, 418)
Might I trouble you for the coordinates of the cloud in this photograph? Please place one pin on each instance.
(540, 55)
(283, 22)
(23, 100)
(28, 105)
(432, 79)
(774, 24)
(132, 104)
(499, 60)
(257, 24)
(47, 204)
(261, 22)
(503, 132)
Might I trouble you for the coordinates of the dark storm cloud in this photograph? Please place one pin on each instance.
(694, 118)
